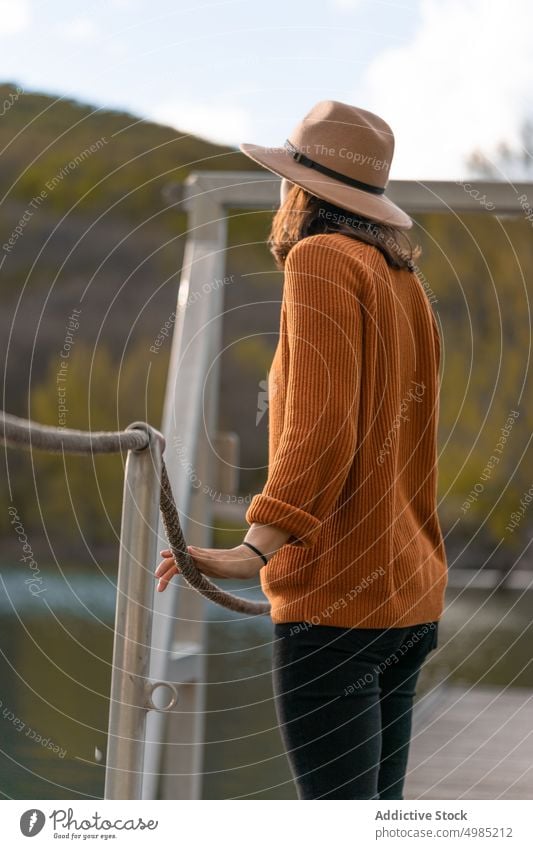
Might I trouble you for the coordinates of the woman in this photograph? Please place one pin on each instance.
(346, 526)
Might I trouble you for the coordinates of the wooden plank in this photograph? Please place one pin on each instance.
(472, 744)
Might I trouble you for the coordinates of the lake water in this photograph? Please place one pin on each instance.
(55, 655)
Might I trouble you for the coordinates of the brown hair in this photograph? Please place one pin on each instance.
(303, 214)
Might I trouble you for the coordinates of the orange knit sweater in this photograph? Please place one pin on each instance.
(353, 413)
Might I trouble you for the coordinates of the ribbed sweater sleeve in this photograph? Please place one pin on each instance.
(319, 434)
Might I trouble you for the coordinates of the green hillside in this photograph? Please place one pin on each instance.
(130, 162)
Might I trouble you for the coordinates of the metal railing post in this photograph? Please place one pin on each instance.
(131, 691)
(174, 742)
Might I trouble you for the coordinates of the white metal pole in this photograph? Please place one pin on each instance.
(131, 691)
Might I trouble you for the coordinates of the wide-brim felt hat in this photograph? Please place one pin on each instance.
(341, 154)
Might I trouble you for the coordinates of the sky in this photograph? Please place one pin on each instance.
(449, 76)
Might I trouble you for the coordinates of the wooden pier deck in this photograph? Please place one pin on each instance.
(472, 744)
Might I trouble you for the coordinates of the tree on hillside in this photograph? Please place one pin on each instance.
(507, 163)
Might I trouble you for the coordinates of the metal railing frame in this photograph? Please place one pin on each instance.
(174, 741)
(131, 690)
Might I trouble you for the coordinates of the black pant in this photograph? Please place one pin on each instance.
(344, 699)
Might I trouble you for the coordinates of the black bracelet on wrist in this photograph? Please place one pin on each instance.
(262, 556)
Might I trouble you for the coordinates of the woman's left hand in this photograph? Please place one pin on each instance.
(239, 562)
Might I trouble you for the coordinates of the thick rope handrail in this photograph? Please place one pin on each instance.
(17, 432)
(185, 561)
(24, 433)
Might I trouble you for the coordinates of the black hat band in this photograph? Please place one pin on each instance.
(329, 172)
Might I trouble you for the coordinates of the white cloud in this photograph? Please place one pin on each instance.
(14, 16)
(463, 81)
(347, 5)
(215, 122)
(80, 30)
